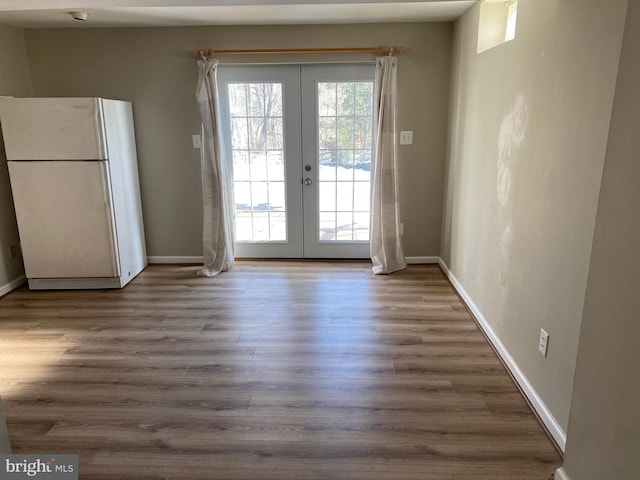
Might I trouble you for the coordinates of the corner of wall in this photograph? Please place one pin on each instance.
(29, 91)
(15, 81)
(12, 285)
(516, 241)
(535, 401)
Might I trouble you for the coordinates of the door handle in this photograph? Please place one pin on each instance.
(307, 181)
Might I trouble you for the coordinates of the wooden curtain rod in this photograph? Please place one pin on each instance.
(382, 50)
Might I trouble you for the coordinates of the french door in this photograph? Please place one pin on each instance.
(299, 144)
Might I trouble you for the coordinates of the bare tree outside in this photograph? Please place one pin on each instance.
(258, 160)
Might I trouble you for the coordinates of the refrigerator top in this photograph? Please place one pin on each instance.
(53, 128)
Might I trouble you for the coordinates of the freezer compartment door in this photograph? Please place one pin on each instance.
(65, 219)
(53, 128)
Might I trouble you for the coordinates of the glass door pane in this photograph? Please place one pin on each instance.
(345, 127)
(257, 151)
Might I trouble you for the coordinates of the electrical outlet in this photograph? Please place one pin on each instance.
(543, 344)
(406, 138)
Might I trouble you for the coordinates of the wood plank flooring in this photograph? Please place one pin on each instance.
(274, 370)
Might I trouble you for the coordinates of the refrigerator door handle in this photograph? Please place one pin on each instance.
(108, 209)
(101, 137)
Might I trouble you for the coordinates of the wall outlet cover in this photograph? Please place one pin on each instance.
(543, 344)
(406, 138)
(14, 251)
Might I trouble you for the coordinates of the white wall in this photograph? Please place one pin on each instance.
(604, 424)
(153, 68)
(528, 133)
(14, 81)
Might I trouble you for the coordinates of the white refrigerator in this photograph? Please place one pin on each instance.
(74, 177)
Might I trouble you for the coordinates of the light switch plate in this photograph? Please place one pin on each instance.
(196, 141)
(406, 138)
(543, 343)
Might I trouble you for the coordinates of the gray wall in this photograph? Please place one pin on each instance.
(14, 81)
(604, 425)
(528, 132)
(152, 68)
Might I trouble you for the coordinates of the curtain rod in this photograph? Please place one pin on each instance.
(382, 50)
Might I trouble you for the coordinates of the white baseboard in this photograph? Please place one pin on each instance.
(177, 260)
(561, 474)
(12, 285)
(558, 434)
(421, 260)
(190, 260)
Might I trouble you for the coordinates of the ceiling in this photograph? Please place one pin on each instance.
(155, 13)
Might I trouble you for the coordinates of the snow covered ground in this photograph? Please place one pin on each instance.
(344, 202)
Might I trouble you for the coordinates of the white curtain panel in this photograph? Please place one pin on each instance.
(387, 254)
(217, 231)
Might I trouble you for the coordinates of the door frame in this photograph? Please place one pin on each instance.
(289, 76)
(300, 132)
(311, 75)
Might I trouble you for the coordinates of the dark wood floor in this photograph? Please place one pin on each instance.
(275, 370)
